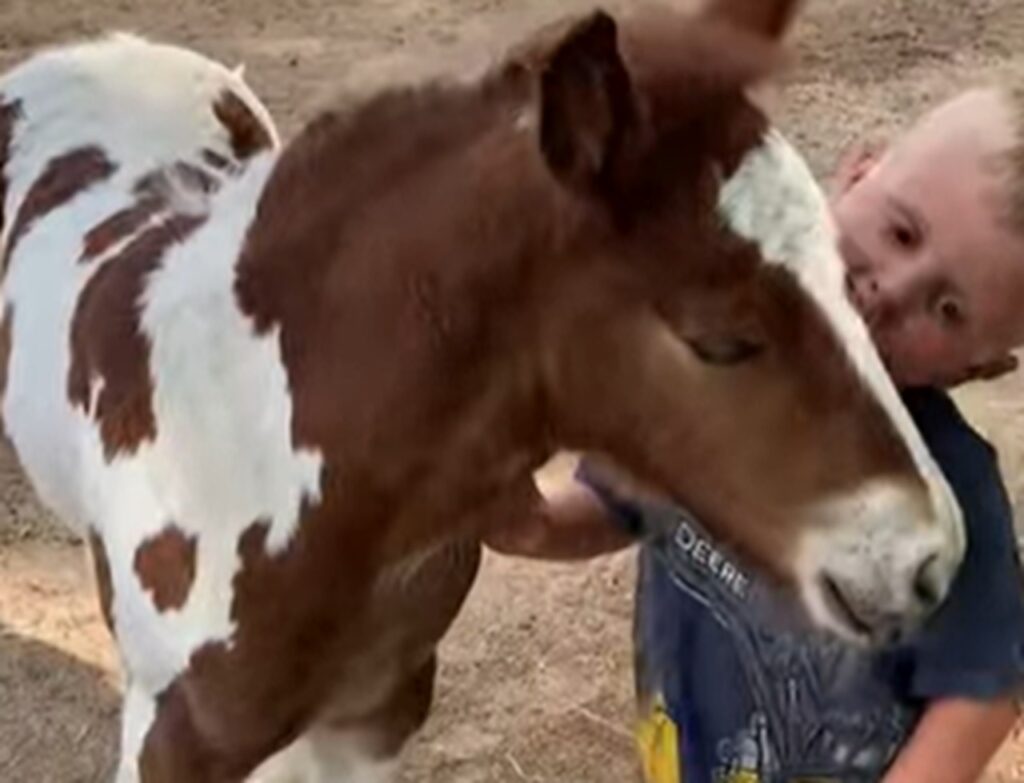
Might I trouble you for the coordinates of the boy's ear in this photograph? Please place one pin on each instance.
(855, 164)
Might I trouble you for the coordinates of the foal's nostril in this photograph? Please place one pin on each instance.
(929, 588)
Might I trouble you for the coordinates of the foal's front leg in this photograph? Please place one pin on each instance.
(162, 742)
(137, 712)
(158, 746)
(357, 751)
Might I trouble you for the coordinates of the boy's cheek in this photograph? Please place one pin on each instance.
(916, 355)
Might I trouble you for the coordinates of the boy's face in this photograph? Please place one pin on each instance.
(932, 264)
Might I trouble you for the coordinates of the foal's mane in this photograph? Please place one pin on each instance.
(677, 61)
(353, 153)
(688, 73)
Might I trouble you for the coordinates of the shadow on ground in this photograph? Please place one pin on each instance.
(58, 715)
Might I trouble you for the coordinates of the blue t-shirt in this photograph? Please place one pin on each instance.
(758, 696)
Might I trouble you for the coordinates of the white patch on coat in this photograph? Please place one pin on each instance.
(137, 715)
(223, 455)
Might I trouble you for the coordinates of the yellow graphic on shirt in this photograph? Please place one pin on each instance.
(658, 740)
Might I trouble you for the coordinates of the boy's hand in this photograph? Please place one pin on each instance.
(566, 522)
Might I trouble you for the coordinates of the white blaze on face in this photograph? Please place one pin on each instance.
(773, 201)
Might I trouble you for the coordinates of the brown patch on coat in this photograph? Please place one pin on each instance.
(104, 581)
(151, 193)
(303, 617)
(107, 343)
(216, 160)
(180, 177)
(9, 114)
(166, 567)
(195, 178)
(6, 329)
(387, 728)
(118, 227)
(248, 136)
(63, 178)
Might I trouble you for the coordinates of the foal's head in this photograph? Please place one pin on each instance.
(603, 246)
(693, 324)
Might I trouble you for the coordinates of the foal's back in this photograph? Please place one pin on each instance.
(110, 152)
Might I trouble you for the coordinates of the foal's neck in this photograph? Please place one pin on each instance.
(402, 240)
(441, 179)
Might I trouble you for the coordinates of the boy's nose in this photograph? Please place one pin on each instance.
(865, 293)
(882, 297)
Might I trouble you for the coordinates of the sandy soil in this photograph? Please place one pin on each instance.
(535, 684)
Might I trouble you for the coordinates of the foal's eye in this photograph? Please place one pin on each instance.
(724, 351)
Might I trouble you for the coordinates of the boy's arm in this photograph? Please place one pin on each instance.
(573, 513)
(954, 741)
(968, 662)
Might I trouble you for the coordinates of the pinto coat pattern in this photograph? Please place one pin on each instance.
(281, 391)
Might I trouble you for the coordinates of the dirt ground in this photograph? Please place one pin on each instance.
(536, 677)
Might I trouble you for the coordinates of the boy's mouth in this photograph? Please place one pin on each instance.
(853, 293)
(858, 276)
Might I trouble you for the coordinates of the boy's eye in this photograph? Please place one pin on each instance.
(949, 311)
(904, 236)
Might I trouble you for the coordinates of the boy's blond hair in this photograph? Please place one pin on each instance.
(1012, 163)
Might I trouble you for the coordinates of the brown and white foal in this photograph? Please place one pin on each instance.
(281, 390)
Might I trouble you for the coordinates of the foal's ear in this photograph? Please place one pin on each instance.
(587, 104)
(765, 18)
(9, 113)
